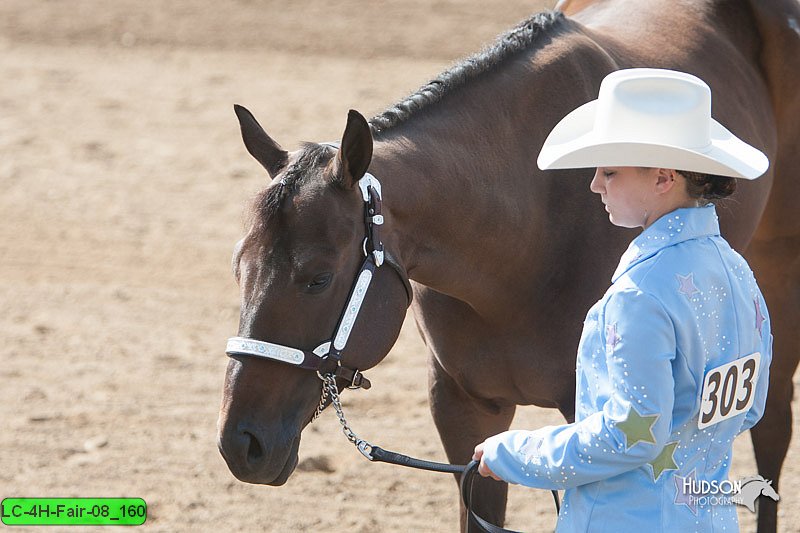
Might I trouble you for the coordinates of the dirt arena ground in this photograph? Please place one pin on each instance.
(123, 183)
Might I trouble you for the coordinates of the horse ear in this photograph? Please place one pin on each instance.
(355, 152)
(260, 145)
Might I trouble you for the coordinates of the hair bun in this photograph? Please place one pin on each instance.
(719, 187)
(708, 186)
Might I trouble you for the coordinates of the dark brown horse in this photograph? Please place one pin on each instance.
(504, 259)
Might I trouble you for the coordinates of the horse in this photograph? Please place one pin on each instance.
(499, 261)
(752, 488)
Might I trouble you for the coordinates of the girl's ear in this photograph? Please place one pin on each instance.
(665, 180)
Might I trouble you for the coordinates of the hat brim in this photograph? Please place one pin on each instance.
(573, 143)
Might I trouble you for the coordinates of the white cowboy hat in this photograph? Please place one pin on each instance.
(650, 118)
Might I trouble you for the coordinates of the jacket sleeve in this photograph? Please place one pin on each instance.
(633, 425)
(756, 411)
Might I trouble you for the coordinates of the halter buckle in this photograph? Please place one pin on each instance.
(378, 254)
(364, 184)
(357, 381)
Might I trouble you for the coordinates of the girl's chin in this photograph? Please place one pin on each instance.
(622, 223)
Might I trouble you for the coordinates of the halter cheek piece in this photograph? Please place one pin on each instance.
(327, 357)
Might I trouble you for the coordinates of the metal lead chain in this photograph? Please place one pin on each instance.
(329, 389)
(323, 398)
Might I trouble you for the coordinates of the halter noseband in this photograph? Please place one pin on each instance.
(327, 357)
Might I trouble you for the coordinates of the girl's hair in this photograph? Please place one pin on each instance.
(708, 186)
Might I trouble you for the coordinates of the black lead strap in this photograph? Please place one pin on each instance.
(468, 474)
(385, 456)
(377, 454)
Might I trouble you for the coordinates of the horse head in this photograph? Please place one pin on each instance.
(769, 491)
(295, 269)
(752, 488)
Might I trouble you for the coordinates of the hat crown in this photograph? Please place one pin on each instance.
(646, 117)
(654, 106)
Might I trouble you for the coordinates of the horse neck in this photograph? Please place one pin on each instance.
(465, 198)
(438, 209)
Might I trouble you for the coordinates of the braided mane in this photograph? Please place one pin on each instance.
(505, 47)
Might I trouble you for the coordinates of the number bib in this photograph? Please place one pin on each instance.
(728, 390)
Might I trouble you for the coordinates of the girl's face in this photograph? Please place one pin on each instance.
(628, 194)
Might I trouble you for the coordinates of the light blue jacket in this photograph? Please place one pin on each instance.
(682, 304)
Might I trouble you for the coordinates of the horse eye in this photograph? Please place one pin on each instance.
(320, 282)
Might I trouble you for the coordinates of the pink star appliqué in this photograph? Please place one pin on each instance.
(686, 285)
(760, 318)
(531, 450)
(612, 338)
(683, 491)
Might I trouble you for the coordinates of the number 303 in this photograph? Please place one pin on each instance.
(728, 390)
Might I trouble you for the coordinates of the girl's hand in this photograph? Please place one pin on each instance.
(483, 470)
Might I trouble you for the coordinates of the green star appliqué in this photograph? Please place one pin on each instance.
(638, 428)
(664, 461)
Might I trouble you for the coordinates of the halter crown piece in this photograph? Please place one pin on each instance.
(327, 357)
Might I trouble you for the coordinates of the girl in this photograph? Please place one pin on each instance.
(673, 360)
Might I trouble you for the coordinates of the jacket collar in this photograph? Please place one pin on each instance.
(673, 228)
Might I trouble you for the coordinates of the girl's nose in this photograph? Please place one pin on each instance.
(597, 182)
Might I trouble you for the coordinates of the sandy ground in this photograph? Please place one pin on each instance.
(124, 182)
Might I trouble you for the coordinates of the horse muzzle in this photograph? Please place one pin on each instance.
(252, 458)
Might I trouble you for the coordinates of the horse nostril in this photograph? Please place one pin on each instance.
(254, 450)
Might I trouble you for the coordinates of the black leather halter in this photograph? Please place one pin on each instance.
(327, 357)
